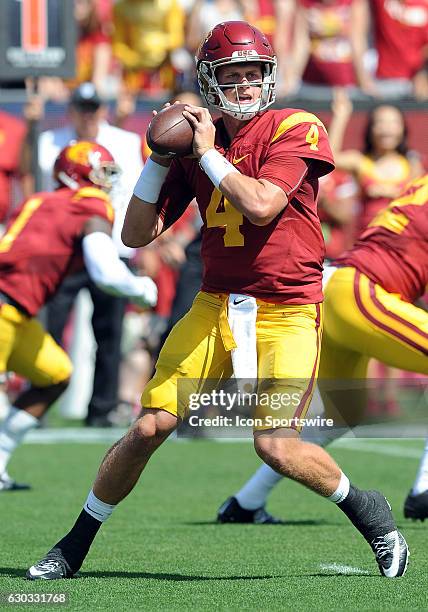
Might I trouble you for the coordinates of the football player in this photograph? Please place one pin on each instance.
(371, 310)
(255, 177)
(50, 236)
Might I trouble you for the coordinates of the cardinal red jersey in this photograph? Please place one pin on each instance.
(401, 32)
(42, 243)
(393, 250)
(282, 261)
(329, 27)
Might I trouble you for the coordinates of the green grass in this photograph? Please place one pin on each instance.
(162, 551)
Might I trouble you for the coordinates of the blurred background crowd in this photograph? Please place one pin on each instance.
(361, 65)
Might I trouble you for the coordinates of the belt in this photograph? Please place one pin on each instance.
(5, 299)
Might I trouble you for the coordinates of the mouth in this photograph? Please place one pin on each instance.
(245, 99)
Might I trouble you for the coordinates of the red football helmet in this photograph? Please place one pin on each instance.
(235, 42)
(85, 163)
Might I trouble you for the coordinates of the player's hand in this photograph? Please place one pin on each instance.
(162, 160)
(34, 108)
(148, 296)
(203, 128)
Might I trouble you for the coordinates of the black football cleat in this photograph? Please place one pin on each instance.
(232, 512)
(377, 525)
(52, 567)
(392, 554)
(8, 484)
(416, 506)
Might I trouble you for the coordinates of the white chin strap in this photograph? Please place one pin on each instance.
(237, 110)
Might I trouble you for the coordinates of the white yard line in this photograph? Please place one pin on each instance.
(393, 448)
(338, 568)
(77, 435)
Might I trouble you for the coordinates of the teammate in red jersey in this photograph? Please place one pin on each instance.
(51, 235)
(258, 314)
(371, 311)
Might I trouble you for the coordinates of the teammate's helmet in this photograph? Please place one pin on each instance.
(85, 163)
(235, 42)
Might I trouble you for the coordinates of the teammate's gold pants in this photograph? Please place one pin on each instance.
(27, 349)
(364, 321)
(198, 350)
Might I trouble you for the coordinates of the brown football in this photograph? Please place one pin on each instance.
(170, 132)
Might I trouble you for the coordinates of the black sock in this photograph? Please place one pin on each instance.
(76, 544)
(366, 511)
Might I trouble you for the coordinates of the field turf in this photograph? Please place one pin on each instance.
(162, 551)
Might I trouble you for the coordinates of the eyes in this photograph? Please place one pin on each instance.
(236, 77)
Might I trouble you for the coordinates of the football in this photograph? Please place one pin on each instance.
(170, 132)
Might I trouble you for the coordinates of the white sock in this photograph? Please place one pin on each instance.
(421, 482)
(12, 432)
(254, 493)
(98, 509)
(342, 490)
(4, 405)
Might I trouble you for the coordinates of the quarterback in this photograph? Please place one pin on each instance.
(255, 177)
(51, 235)
(371, 310)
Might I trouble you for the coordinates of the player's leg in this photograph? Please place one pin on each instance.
(392, 331)
(107, 323)
(117, 476)
(193, 351)
(253, 495)
(59, 307)
(288, 354)
(29, 351)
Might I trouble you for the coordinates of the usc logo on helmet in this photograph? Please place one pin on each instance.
(79, 152)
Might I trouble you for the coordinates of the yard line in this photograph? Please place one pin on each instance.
(81, 435)
(370, 446)
(342, 569)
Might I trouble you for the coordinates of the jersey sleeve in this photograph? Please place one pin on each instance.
(175, 196)
(303, 135)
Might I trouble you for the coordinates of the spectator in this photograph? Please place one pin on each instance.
(324, 48)
(145, 34)
(381, 170)
(93, 53)
(261, 14)
(12, 133)
(88, 122)
(385, 165)
(401, 41)
(337, 209)
(205, 14)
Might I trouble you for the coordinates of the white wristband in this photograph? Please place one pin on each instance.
(215, 166)
(150, 183)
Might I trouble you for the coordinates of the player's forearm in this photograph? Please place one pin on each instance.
(258, 200)
(142, 223)
(252, 198)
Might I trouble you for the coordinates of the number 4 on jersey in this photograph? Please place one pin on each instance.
(221, 213)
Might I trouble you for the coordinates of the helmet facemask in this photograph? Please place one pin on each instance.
(104, 174)
(214, 95)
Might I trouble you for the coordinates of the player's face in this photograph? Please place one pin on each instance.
(387, 128)
(86, 121)
(243, 79)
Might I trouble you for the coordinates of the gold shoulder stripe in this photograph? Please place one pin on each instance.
(93, 192)
(295, 119)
